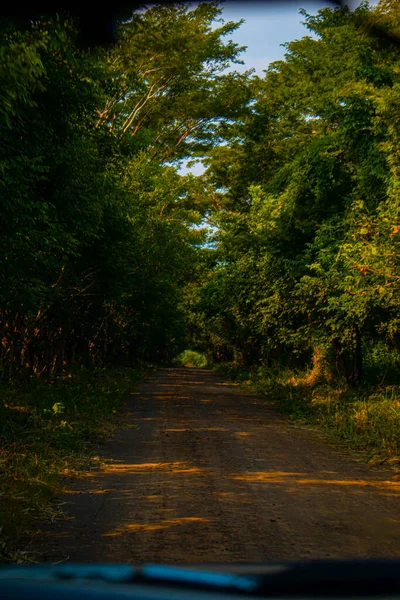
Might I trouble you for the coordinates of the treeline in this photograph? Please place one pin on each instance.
(306, 262)
(102, 241)
(97, 235)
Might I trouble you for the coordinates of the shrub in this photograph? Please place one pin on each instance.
(191, 358)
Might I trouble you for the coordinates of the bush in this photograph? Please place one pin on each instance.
(191, 358)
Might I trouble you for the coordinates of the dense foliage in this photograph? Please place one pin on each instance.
(101, 232)
(306, 206)
(97, 236)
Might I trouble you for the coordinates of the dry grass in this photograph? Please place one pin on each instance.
(365, 418)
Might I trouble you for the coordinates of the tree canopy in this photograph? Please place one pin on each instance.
(98, 237)
(307, 207)
(286, 248)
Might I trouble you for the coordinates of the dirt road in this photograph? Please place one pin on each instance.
(202, 472)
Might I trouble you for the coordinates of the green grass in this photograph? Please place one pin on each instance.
(191, 358)
(47, 431)
(366, 418)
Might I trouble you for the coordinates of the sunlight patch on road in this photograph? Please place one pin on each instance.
(232, 495)
(377, 484)
(209, 429)
(268, 476)
(149, 527)
(176, 430)
(142, 468)
(302, 479)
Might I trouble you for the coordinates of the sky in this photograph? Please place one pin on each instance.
(267, 26)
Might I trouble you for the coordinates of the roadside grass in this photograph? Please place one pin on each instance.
(366, 418)
(47, 432)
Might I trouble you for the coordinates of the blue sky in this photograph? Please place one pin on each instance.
(267, 26)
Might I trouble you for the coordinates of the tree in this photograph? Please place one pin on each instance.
(98, 232)
(306, 200)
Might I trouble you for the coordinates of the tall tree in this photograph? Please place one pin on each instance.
(98, 236)
(306, 200)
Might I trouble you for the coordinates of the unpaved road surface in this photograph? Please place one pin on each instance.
(203, 472)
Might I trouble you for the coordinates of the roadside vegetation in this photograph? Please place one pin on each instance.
(366, 418)
(49, 430)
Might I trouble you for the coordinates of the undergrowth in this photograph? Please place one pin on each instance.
(365, 418)
(47, 431)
